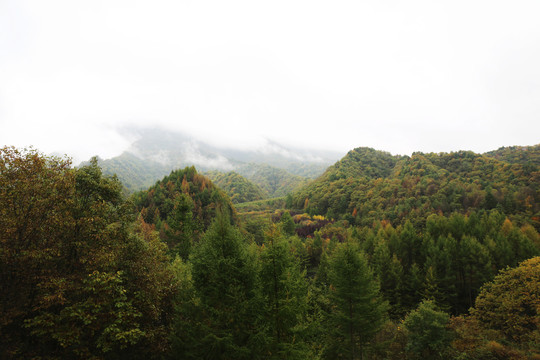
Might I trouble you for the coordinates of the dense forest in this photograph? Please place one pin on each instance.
(274, 181)
(239, 189)
(433, 256)
(369, 185)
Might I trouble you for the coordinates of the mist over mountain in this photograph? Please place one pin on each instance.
(155, 152)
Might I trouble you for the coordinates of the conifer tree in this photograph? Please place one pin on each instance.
(413, 283)
(181, 226)
(357, 308)
(476, 269)
(431, 287)
(284, 289)
(287, 223)
(409, 246)
(220, 323)
(390, 273)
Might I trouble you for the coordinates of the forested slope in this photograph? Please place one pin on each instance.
(181, 206)
(173, 273)
(238, 188)
(362, 190)
(524, 155)
(134, 173)
(274, 181)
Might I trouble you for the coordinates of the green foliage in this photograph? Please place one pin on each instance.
(362, 162)
(504, 323)
(179, 233)
(287, 223)
(267, 205)
(219, 321)
(238, 188)
(510, 304)
(284, 290)
(133, 172)
(447, 262)
(428, 333)
(274, 181)
(524, 155)
(357, 310)
(368, 185)
(81, 276)
(78, 279)
(181, 206)
(36, 194)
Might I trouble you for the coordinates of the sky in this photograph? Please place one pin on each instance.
(399, 76)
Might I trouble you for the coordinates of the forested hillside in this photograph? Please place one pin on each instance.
(238, 188)
(432, 256)
(274, 181)
(133, 172)
(368, 185)
(524, 155)
(181, 207)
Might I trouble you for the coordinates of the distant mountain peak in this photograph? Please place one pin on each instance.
(155, 152)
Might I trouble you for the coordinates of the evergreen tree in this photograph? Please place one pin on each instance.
(284, 289)
(431, 287)
(390, 273)
(357, 308)
(181, 226)
(220, 321)
(287, 223)
(409, 246)
(440, 280)
(413, 283)
(475, 271)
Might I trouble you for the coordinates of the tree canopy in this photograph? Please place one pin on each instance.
(79, 278)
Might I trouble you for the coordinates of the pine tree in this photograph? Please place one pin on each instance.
(409, 246)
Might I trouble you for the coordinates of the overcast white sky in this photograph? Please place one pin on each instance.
(399, 76)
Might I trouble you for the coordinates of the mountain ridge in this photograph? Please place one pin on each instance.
(157, 152)
(359, 189)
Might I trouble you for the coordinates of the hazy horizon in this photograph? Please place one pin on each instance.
(399, 77)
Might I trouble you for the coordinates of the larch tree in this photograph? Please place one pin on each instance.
(358, 310)
(284, 289)
(181, 225)
(220, 322)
